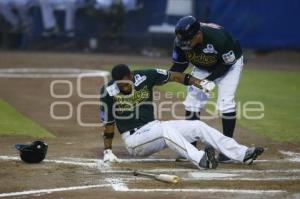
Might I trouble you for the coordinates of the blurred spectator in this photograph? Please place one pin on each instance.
(50, 24)
(16, 13)
(106, 5)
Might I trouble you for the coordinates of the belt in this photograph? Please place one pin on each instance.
(130, 132)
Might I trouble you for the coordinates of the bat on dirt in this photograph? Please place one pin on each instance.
(161, 177)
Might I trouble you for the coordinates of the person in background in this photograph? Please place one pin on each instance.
(16, 13)
(48, 8)
(105, 5)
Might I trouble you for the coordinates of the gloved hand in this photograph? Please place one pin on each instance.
(108, 156)
(207, 86)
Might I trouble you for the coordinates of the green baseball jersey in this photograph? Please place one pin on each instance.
(134, 110)
(218, 47)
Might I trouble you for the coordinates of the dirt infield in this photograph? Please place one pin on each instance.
(73, 168)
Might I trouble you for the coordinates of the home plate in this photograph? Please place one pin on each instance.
(202, 175)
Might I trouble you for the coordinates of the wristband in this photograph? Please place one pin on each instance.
(186, 80)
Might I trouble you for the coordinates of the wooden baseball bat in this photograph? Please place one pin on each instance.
(161, 177)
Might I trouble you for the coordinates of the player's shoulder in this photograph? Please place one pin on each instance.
(215, 33)
(109, 89)
(212, 28)
(151, 72)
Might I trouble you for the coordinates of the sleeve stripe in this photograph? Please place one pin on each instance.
(180, 62)
(108, 122)
(166, 80)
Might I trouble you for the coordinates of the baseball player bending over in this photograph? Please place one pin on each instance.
(127, 101)
(215, 56)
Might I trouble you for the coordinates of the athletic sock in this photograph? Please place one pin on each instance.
(228, 121)
(189, 115)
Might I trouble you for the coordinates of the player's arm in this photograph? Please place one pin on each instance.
(108, 135)
(180, 63)
(178, 67)
(160, 77)
(106, 116)
(188, 79)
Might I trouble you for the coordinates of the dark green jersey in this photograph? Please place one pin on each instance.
(135, 110)
(218, 47)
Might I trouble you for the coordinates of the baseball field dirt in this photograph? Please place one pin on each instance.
(73, 167)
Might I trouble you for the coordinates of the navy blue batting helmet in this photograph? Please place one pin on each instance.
(186, 28)
(34, 152)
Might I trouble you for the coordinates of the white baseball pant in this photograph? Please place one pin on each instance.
(177, 135)
(22, 7)
(49, 6)
(227, 85)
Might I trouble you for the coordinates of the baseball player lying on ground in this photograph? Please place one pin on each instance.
(127, 102)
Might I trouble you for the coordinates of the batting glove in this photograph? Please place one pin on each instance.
(109, 156)
(207, 86)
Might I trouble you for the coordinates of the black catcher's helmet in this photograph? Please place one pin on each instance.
(34, 152)
(186, 28)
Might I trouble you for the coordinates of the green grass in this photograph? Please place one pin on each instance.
(279, 93)
(13, 123)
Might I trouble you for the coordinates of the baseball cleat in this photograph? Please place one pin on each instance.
(224, 159)
(252, 153)
(209, 161)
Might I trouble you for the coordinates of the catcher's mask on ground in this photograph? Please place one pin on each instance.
(34, 152)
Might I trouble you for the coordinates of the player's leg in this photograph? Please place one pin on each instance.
(157, 135)
(22, 7)
(175, 140)
(226, 103)
(8, 14)
(70, 10)
(195, 99)
(145, 141)
(48, 17)
(197, 130)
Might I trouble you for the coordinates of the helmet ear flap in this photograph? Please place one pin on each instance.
(34, 152)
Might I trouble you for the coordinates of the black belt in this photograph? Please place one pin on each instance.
(132, 131)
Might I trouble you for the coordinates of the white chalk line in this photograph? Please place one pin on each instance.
(131, 160)
(219, 171)
(244, 179)
(290, 153)
(294, 157)
(49, 191)
(99, 164)
(120, 186)
(49, 72)
(243, 191)
(117, 184)
(193, 175)
(155, 160)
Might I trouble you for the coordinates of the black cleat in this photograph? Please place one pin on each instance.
(252, 153)
(209, 161)
(224, 159)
